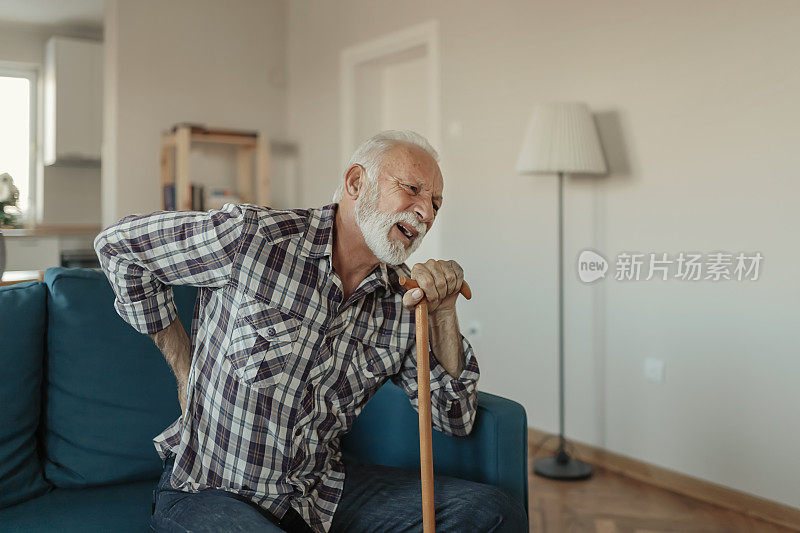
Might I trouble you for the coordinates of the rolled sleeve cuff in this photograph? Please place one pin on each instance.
(151, 314)
(451, 388)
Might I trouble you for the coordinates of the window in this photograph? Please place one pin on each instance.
(18, 130)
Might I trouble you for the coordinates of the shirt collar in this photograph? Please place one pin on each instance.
(318, 240)
(318, 243)
(389, 278)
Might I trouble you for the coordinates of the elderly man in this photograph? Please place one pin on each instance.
(300, 319)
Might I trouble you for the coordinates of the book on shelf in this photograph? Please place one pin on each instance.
(169, 197)
(197, 198)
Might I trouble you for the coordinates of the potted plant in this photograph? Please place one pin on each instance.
(9, 194)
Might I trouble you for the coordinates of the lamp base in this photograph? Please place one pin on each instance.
(563, 467)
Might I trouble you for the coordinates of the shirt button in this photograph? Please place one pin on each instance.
(271, 331)
(298, 432)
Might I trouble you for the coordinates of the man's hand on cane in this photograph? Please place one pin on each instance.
(440, 282)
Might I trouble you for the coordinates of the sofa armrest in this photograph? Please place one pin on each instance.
(495, 452)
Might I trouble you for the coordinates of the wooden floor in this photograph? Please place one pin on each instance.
(612, 503)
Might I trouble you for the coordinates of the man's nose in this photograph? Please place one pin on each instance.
(424, 209)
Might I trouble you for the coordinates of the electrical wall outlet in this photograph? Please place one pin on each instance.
(654, 370)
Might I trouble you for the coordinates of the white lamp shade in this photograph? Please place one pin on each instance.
(561, 137)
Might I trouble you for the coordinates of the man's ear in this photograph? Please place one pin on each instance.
(354, 180)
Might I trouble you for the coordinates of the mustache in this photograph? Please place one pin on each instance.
(409, 218)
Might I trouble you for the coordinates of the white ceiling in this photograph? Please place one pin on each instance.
(77, 12)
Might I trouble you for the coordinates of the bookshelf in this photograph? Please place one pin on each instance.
(252, 155)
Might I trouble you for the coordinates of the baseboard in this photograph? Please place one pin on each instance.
(699, 489)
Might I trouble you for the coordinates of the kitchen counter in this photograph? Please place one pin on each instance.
(48, 231)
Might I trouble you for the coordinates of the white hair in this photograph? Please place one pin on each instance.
(370, 153)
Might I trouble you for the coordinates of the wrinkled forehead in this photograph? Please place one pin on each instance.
(414, 165)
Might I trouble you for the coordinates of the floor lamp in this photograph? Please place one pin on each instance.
(561, 138)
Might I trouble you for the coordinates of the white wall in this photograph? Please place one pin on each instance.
(201, 61)
(698, 111)
(66, 195)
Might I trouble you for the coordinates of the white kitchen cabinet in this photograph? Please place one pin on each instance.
(41, 252)
(32, 253)
(73, 101)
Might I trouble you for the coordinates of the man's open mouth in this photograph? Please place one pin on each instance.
(408, 231)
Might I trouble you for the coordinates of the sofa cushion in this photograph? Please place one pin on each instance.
(495, 452)
(22, 330)
(117, 508)
(109, 390)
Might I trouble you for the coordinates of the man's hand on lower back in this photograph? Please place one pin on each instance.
(174, 343)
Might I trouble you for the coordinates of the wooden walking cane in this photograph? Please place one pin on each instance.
(424, 403)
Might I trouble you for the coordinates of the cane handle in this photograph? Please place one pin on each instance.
(409, 284)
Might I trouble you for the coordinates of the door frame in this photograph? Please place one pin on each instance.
(427, 34)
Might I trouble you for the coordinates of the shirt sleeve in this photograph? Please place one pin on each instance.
(454, 401)
(143, 254)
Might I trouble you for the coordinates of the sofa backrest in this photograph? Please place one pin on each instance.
(22, 327)
(108, 390)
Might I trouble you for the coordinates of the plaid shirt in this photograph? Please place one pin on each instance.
(281, 366)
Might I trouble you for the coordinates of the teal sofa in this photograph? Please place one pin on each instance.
(82, 394)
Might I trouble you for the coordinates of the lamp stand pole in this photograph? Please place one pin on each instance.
(561, 466)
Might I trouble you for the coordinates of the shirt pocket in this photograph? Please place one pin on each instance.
(381, 360)
(263, 343)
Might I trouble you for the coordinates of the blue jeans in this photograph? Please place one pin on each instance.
(375, 498)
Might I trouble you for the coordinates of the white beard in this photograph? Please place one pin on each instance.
(375, 227)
